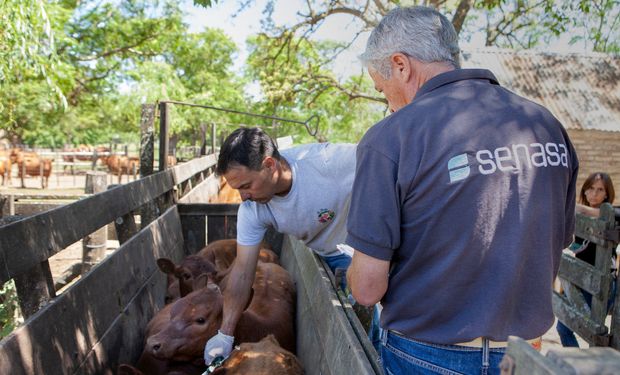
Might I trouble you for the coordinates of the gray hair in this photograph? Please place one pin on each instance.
(420, 32)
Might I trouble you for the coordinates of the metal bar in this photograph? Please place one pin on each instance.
(306, 123)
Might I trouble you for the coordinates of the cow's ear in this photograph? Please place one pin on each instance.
(201, 281)
(166, 265)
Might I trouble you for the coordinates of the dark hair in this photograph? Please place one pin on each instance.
(247, 147)
(609, 187)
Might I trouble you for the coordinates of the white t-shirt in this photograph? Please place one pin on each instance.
(316, 208)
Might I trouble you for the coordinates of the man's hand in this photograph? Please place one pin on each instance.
(219, 345)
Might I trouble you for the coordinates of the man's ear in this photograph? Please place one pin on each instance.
(401, 66)
(269, 163)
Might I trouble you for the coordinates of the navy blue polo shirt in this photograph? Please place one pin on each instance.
(469, 192)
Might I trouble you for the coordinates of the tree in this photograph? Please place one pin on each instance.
(110, 57)
(293, 67)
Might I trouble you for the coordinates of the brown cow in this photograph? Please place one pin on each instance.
(222, 253)
(119, 165)
(196, 317)
(214, 260)
(265, 357)
(226, 194)
(30, 164)
(181, 276)
(5, 167)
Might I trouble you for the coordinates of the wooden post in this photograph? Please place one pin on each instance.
(147, 154)
(125, 225)
(95, 244)
(7, 205)
(203, 138)
(164, 122)
(34, 288)
(213, 138)
(94, 160)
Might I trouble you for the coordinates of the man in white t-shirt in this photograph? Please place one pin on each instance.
(304, 192)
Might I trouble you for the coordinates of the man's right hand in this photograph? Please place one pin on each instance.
(219, 345)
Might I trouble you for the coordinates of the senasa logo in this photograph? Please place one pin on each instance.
(458, 167)
(508, 159)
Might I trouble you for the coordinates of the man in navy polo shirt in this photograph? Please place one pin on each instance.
(477, 201)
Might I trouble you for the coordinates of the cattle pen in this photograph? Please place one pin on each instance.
(99, 321)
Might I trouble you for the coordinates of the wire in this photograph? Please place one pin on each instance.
(311, 124)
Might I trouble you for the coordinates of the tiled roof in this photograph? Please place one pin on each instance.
(582, 91)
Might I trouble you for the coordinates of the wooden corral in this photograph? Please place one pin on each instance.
(570, 307)
(99, 321)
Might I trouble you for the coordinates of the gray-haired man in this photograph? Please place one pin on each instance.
(477, 190)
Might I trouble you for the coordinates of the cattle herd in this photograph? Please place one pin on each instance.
(176, 336)
(29, 163)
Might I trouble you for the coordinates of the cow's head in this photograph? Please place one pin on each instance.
(193, 320)
(186, 272)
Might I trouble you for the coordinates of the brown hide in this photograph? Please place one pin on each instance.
(222, 253)
(5, 167)
(30, 164)
(215, 259)
(226, 194)
(119, 165)
(196, 317)
(181, 277)
(265, 357)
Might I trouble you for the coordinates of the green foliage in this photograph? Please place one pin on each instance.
(205, 3)
(109, 58)
(296, 83)
(8, 308)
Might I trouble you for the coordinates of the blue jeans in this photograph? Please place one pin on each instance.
(400, 355)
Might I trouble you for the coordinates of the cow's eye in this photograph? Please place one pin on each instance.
(187, 276)
(200, 320)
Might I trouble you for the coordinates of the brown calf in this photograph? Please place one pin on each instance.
(196, 317)
(265, 357)
(215, 259)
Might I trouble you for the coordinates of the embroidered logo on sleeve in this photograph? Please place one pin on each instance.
(325, 215)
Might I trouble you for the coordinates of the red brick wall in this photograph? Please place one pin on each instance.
(598, 151)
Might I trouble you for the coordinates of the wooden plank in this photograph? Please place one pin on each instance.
(202, 192)
(593, 332)
(614, 330)
(60, 337)
(124, 340)
(194, 233)
(582, 274)
(23, 244)
(185, 171)
(340, 349)
(209, 209)
(33, 208)
(586, 361)
(522, 359)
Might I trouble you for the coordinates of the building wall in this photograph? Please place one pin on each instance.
(598, 151)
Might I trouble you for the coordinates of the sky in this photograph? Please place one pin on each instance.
(247, 22)
(338, 28)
